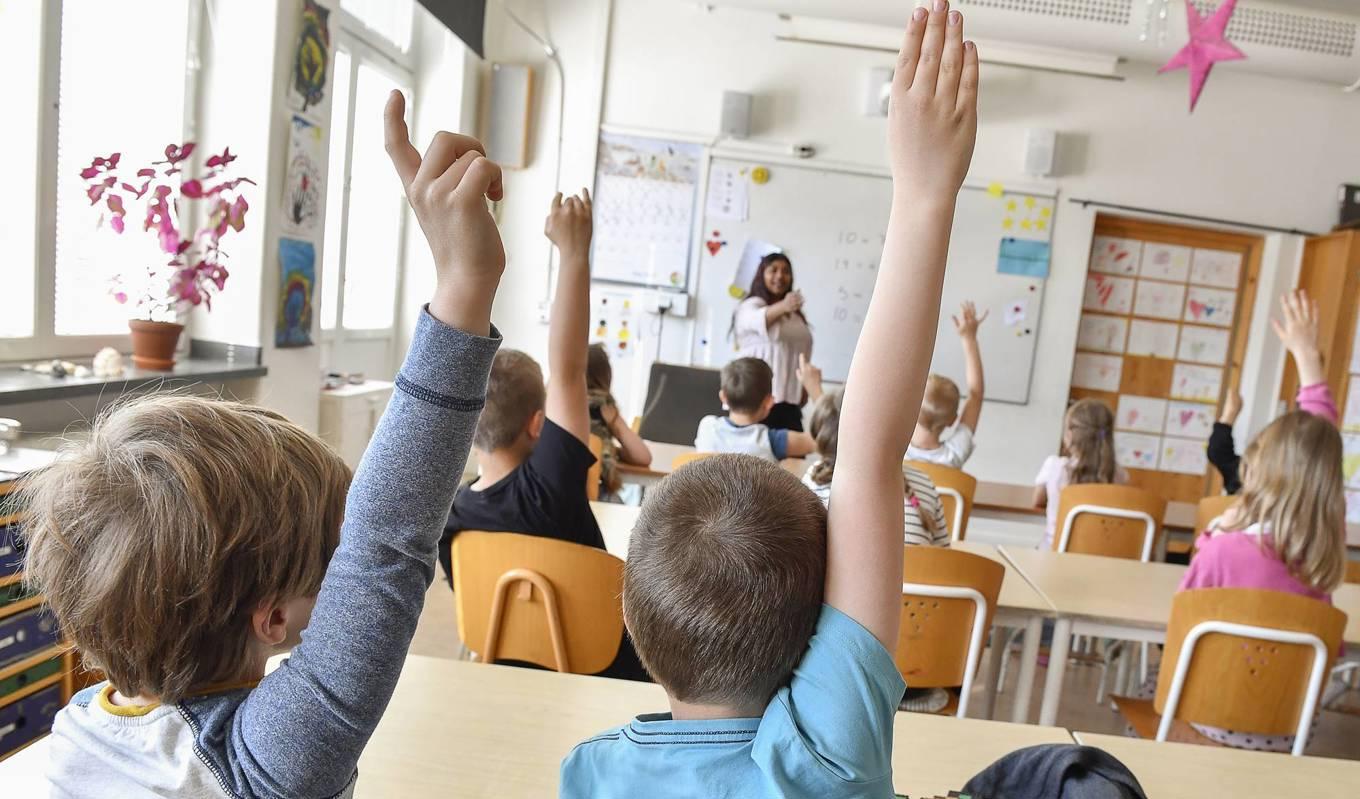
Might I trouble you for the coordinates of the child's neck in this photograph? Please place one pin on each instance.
(494, 466)
(684, 711)
(924, 439)
(254, 671)
(743, 419)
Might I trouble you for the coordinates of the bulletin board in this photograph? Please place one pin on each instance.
(832, 224)
(1161, 340)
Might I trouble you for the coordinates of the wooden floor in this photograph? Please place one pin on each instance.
(1338, 733)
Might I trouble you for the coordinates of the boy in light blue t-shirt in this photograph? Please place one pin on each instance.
(769, 621)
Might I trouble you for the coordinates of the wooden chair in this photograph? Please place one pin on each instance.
(535, 599)
(688, 457)
(1211, 508)
(1111, 520)
(593, 476)
(956, 489)
(948, 598)
(1240, 659)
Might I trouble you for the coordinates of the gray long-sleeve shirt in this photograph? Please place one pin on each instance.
(300, 731)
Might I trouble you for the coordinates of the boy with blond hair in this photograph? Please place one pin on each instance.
(191, 539)
(770, 622)
(940, 405)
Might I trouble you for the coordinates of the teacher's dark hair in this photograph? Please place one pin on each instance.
(759, 289)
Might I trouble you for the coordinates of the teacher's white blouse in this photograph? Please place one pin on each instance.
(779, 345)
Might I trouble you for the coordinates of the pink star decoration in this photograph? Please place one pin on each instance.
(1206, 46)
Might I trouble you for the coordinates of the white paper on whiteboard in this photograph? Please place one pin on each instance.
(1183, 456)
(1135, 450)
(1203, 345)
(1097, 372)
(1165, 262)
(1102, 333)
(1216, 268)
(1140, 414)
(751, 253)
(1189, 419)
(728, 196)
(1196, 383)
(1159, 300)
(1153, 339)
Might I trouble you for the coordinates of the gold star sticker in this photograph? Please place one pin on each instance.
(1007, 223)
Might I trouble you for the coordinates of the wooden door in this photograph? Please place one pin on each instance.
(1330, 271)
(1161, 341)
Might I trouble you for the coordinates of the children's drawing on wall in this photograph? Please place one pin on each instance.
(1105, 293)
(1102, 333)
(1097, 372)
(1217, 268)
(1183, 456)
(1140, 414)
(1159, 300)
(1165, 262)
(1135, 450)
(1197, 383)
(302, 186)
(1152, 339)
(1189, 420)
(312, 58)
(1204, 345)
(1113, 256)
(1210, 306)
(297, 280)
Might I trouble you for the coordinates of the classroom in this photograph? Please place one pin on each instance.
(443, 398)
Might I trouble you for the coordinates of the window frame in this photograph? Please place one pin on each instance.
(44, 343)
(364, 47)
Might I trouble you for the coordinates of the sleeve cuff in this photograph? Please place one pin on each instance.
(446, 366)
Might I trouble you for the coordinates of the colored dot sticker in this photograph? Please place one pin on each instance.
(760, 175)
(1008, 223)
(1010, 206)
(736, 292)
(1045, 212)
(1025, 224)
(996, 190)
(1029, 202)
(1041, 225)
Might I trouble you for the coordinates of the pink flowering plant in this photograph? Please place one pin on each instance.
(194, 270)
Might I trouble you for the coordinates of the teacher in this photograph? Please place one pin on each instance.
(769, 325)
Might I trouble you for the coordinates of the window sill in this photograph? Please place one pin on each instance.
(18, 386)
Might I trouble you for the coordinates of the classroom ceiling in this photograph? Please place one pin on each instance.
(1344, 7)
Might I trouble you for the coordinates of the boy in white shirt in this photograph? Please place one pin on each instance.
(940, 407)
(747, 392)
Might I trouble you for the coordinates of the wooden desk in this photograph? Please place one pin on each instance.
(1013, 498)
(1185, 771)
(1347, 598)
(1021, 607)
(616, 524)
(933, 755)
(1106, 597)
(664, 454)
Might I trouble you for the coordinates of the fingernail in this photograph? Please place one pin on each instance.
(940, 5)
(968, 45)
(955, 17)
(919, 14)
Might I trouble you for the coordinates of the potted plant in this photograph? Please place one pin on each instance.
(194, 270)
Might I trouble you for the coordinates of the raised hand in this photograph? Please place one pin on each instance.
(967, 326)
(810, 376)
(569, 225)
(1298, 330)
(1232, 407)
(932, 111)
(448, 189)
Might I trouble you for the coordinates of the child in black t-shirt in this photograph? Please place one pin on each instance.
(531, 442)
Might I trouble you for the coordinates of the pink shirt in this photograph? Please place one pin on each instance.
(1242, 560)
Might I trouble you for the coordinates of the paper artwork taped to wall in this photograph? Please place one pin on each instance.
(1140, 414)
(311, 60)
(297, 283)
(1217, 268)
(1106, 293)
(1165, 262)
(1189, 419)
(303, 182)
(1114, 256)
(1135, 450)
(1159, 300)
(1097, 372)
(1196, 383)
(1210, 306)
(1102, 333)
(1204, 345)
(1183, 456)
(1153, 339)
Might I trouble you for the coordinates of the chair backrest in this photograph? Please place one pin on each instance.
(1112, 520)
(688, 457)
(956, 489)
(1353, 571)
(596, 445)
(1247, 660)
(1211, 508)
(948, 598)
(677, 398)
(549, 602)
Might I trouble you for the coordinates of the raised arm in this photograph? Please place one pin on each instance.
(810, 376)
(966, 323)
(569, 228)
(932, 125)
(333, 689)
(632, 449)
(1298, 331)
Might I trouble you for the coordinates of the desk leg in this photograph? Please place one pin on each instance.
(1057, 664)
(1029, 657)
(1000, 636)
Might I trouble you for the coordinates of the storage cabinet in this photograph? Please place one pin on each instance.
(350, 414)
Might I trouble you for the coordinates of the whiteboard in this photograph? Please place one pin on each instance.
(832, 225)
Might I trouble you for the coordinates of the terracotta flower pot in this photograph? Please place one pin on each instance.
(153, 344)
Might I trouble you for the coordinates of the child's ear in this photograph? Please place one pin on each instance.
(722, 397)
(767, 406)
(269, 624)
(535, 427)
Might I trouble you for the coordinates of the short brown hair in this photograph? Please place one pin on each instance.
(158, 537)
(940, 404)
(514, 393)
(746, 382)
(725, 578)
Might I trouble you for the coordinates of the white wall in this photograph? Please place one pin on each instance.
(1257, 149)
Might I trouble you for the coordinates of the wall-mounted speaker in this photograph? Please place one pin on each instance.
(736, 115)
(1041, 147)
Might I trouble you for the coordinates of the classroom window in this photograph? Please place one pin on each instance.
(120, 91)
(365, 203)
(20, 54)
(389, 20)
